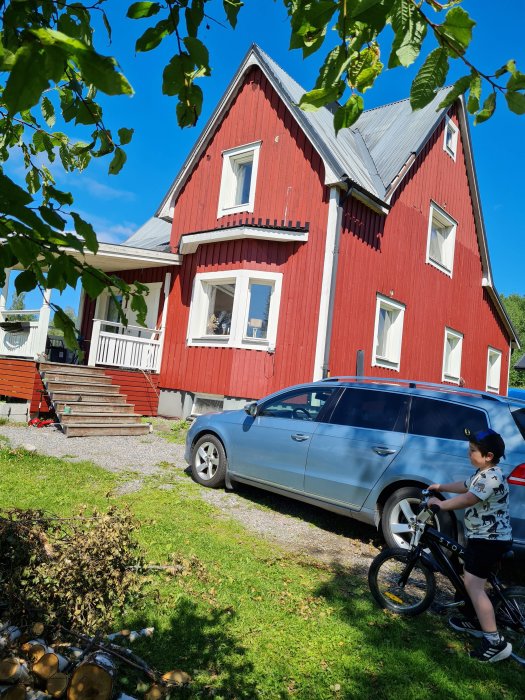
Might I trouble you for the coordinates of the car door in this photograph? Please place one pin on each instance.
(348, 454)
(272, 446)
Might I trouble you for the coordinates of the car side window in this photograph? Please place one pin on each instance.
(443, 419)
(301, 404)
(368, 408)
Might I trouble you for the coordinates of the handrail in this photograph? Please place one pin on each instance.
(121, 325)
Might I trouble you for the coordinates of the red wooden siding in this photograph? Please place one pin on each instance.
(289, 189)
(17, 378)
(139, 388)
(388, 257)
(39, 399)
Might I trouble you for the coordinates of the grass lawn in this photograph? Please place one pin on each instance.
(247, 620)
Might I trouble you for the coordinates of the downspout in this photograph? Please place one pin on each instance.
(328, 284)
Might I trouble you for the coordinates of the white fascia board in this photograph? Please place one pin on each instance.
(110, 254)
(190, 242)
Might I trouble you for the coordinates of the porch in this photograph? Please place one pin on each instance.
(24, 334)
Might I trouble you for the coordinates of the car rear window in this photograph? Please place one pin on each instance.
(367, 408)
(519, 419)
(443, 419)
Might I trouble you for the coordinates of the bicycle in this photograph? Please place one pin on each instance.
(403, 580)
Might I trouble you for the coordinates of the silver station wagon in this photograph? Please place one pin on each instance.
(361, 447)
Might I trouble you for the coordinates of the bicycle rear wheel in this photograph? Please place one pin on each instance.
(383, 578)
(510, 617)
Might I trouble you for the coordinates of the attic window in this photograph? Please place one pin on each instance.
(450, 138)
(239, 176)
(441, 239)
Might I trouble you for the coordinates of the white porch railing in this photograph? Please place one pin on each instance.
(131, 347)
(20, 337)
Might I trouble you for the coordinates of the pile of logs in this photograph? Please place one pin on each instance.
(65, 664)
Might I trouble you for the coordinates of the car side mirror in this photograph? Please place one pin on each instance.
(251, 408)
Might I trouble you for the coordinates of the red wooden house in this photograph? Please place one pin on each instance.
(296, 254)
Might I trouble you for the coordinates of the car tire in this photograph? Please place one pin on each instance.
(209, 462)
(400, 508)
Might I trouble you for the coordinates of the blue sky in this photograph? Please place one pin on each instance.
(118, 205)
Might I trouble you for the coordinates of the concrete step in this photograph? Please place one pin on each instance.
(59, 376)
(105, 418)
(70, 369)
(82, 407)
(83, 430)
(88, 396)
(81, 387)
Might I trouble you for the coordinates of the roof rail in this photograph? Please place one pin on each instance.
(415, 384)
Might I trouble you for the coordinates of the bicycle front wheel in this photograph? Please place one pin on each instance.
(383, 578)
(510, 617)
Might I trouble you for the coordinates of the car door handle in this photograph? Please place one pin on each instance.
(300, 437)
(383, 451)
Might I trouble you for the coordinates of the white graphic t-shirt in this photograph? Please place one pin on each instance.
(489, 519)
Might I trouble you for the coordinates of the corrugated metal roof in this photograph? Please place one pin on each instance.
(372, 152)
(155, 233)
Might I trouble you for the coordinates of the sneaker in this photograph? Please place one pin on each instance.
(463, 624)
(490, 653)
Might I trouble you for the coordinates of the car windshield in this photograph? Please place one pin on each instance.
(519, 418)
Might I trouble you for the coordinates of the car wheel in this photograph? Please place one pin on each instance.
(209, 462)
(400, 510)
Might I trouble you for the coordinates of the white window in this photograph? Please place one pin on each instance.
(237, 308)
(388, 333)
(493, 369)
(239, 175)
(452, 356)
(207, 403)
(441, 239)
(450, 138)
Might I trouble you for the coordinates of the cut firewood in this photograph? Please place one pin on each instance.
(176, 678)
(57, 684)
(38, 628)
(156, 692)
(13, 670)
(49, 664)
(35, 649)
(93, 679)
(12, 692)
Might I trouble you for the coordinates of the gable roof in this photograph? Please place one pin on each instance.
(370, 159)
(371, 154)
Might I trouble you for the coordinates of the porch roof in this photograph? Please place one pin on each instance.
(116, 258)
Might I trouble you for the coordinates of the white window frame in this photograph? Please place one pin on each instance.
(445, 221)
(241, 306)
(392, 358)
(493, 369)
(452, 362)
(229, 181)
(450, 127)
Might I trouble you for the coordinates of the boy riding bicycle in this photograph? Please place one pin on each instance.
(485, 498)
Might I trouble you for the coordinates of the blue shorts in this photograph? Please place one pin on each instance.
(482, 557)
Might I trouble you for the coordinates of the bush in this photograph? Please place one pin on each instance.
(80, 572)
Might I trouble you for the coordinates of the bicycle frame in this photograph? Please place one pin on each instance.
(425, 538)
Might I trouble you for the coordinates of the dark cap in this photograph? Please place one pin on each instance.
(488, 440)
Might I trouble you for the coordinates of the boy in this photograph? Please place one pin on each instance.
(485, 497)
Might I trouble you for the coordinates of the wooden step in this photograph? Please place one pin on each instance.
(81, 387)
(83, 430)
(74, 377)
(89, 396)
(105, 418)
(82, 407)
(70, 369)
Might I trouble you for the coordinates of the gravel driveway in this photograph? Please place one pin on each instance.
(304, 530)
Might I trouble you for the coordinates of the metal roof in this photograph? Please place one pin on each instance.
(152, 235)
